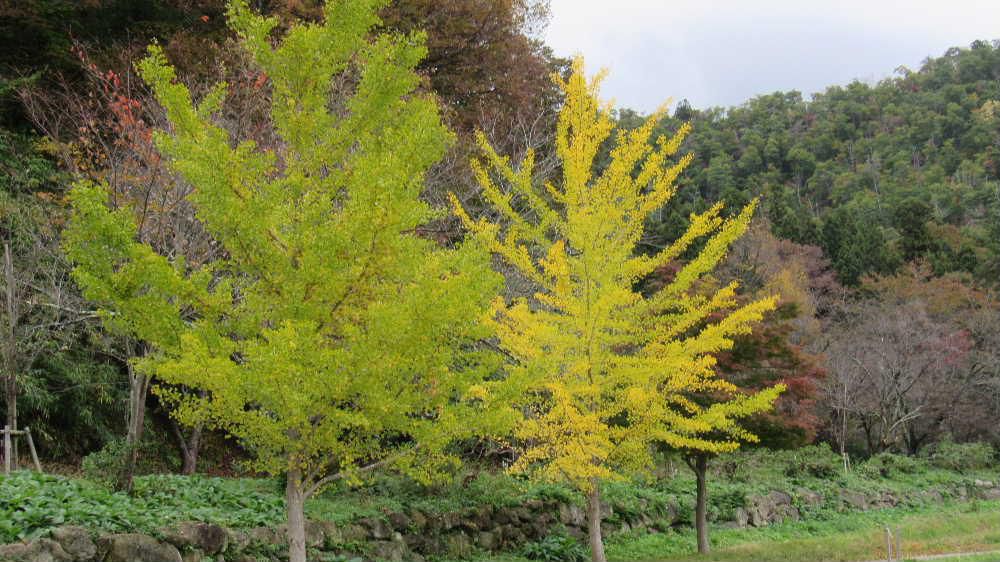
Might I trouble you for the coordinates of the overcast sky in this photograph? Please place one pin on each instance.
(723, 52)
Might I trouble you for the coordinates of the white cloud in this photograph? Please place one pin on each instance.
(722, 52)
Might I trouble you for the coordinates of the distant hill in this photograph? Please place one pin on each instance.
(876, 175)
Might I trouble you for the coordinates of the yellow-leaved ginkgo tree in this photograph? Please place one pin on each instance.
(329, 337)
(606, 371)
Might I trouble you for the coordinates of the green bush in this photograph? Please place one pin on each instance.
(553, 492)
(868, 470)
(725, 502)
(962, 456)
(889, 465)
(685, 509)
(26, 166)
(735, 468)
(497, 490)
(556, 548)
(816, 461)
(106, 465)
(629, 499)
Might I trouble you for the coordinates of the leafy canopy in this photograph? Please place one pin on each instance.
(607, 370)
(330, 334)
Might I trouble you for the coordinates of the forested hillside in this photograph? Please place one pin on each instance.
(878, 221)
(876, 175)
(894, 189)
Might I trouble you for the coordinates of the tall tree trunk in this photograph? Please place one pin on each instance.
(843, 429)
(10, 348)
(869, 438)
(295, 507)
(700, 510)
(594, 523)
(138, 389)
(190, 465)
(189, 447)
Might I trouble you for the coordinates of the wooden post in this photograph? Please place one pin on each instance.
(899, 550)
(6, 449)
(31, 447)
(10, 353)
(888, 544)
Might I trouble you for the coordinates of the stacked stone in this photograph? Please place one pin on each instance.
(413, 535)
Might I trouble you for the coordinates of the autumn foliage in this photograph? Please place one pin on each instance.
(326, 335)
(604, 370)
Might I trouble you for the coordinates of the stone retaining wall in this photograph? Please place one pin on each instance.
(412, 535)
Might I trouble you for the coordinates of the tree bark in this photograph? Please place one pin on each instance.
(869, 439)
(190, 464)
(594, 523)
(700, 510)
(843, 429)
(10, 349)
(138, 389)
(295, 507)
(189, 447)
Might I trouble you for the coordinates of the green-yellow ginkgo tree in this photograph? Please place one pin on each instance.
(607, 371)
(331, 337)
(724, 432)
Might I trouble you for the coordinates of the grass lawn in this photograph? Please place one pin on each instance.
(988, 557)
(841, 538)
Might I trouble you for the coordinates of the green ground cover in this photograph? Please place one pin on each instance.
(31, 504)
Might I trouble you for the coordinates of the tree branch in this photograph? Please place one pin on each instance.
(367, 468)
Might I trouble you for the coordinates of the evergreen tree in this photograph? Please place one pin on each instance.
(910, 217)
